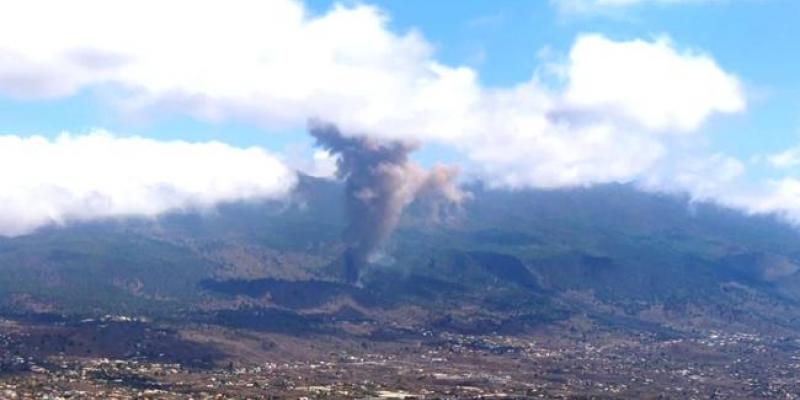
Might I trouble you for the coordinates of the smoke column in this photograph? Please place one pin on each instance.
(380, 182)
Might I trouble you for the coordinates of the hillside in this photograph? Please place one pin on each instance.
(505, 260)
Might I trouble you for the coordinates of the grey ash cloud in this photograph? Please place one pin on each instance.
(380, 182)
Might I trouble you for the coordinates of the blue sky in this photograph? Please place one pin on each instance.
(703, 96)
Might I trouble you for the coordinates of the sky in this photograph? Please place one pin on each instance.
(136, 108)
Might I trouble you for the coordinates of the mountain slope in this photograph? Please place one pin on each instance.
(506, 260)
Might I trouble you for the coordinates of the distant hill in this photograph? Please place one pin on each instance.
(506, 260)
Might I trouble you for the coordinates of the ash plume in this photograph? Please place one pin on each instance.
(380, 182)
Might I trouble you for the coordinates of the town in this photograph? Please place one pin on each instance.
(425, 364)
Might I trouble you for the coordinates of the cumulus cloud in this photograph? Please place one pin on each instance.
(704, 177)
(546, 151)
(779, 197)
(275, 63)
(721, 179)
(99, 175)
(650, 83)
(272, 61)
(269, 61)
(785, 159)
(594, 6)
(619, 99)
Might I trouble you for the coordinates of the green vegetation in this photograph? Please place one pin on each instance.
(518, 255)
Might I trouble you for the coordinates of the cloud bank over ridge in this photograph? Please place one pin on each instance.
(98, 175)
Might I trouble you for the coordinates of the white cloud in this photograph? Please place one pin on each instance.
(785, 159)
(781, 196)
(272, 62)
(650, 83)
(595, 6)
(324, 164)
(98, 175)
(705, 178)
(264, 60)
(619, 99)
(530, 141)
(723, 180)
